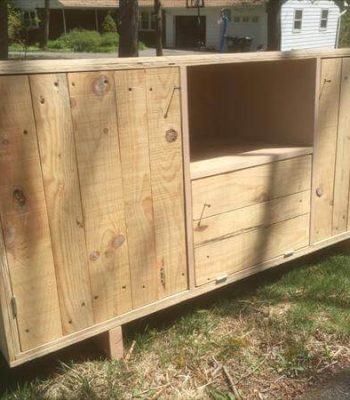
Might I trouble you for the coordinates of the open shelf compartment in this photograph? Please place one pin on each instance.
(247, 114)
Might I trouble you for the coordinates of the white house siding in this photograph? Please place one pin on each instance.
(310, 36)
(257, 30)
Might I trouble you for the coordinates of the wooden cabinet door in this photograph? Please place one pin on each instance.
(92, 218)
(331, 168)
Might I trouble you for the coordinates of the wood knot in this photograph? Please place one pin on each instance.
(117, 241)
(94, 255)
(319, 192)
(101, 85)
(19, 197)
(171, 135)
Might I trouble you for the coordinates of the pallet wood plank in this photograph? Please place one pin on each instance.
(131, 101)
(325, 150)
(23, 214)
(224, 225)
(58, 157)
(227, 192)
(165, 141)
(9, 339)
(97, 144)
(228, 256)
(342, 164)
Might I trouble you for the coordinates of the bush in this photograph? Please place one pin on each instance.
(87, 41)
(109, 25)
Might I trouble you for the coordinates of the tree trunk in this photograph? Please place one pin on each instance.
(46, 22)
(4, 39)
(128, 28)
(159, 27)
(274, 24)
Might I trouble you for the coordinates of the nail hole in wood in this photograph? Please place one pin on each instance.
(25, 132)
(130, 89)
(70, 322)
(83, 304)
(105, 130)
(42, 100)
(143, 286)
(96, 297)
(56, 84)
(124, 287)
(27, 330)
(73, 83)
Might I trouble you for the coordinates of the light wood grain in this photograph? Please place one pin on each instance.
(187, 176)
(58, 157)
(260, 215)
(164, 115)
(342, 164)
(172, 300)
(325, 150)
(24, 220)
(97, 144)
(134, 149)
(217, 157)
(228, 192)
(9, 339)
(245, 250)
(102, 64)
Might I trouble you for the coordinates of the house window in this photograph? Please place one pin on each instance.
(30, 19)
(245, 19)
(147, 21)
(255, 19)
(324, 19)
(298, 20)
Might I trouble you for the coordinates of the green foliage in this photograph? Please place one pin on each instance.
(80, 40)
(15, 24)
(109, 25)
(345, 31)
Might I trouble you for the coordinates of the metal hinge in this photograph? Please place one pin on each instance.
(14, 306)
(221, 279)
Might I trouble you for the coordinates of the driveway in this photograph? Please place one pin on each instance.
(45, 55)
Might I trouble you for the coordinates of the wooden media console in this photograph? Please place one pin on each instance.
(128, 186)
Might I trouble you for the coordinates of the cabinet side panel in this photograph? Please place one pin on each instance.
(23, 214)
(62, 191)
(97, 143)
(342, 165)
(165, 140)
(134, 149)
(325, 150)
(9, 341)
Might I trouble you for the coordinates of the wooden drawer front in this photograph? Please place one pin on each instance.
(227, 192)
(262, 215)
(227, 256)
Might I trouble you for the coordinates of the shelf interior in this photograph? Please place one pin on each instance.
(213, 158)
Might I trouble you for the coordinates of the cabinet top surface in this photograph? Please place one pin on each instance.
(14, 67)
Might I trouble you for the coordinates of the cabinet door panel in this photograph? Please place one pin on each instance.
(325, 150)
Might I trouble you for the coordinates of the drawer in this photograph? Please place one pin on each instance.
(238, 189)
(261, 215)
(243, 250)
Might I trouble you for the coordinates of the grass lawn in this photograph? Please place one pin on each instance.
(271, 336)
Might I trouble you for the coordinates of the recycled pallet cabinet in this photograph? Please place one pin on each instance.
(128, 186)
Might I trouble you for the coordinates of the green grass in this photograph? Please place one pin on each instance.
(270, 334)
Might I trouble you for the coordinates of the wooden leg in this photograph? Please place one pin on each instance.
(111, 342)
